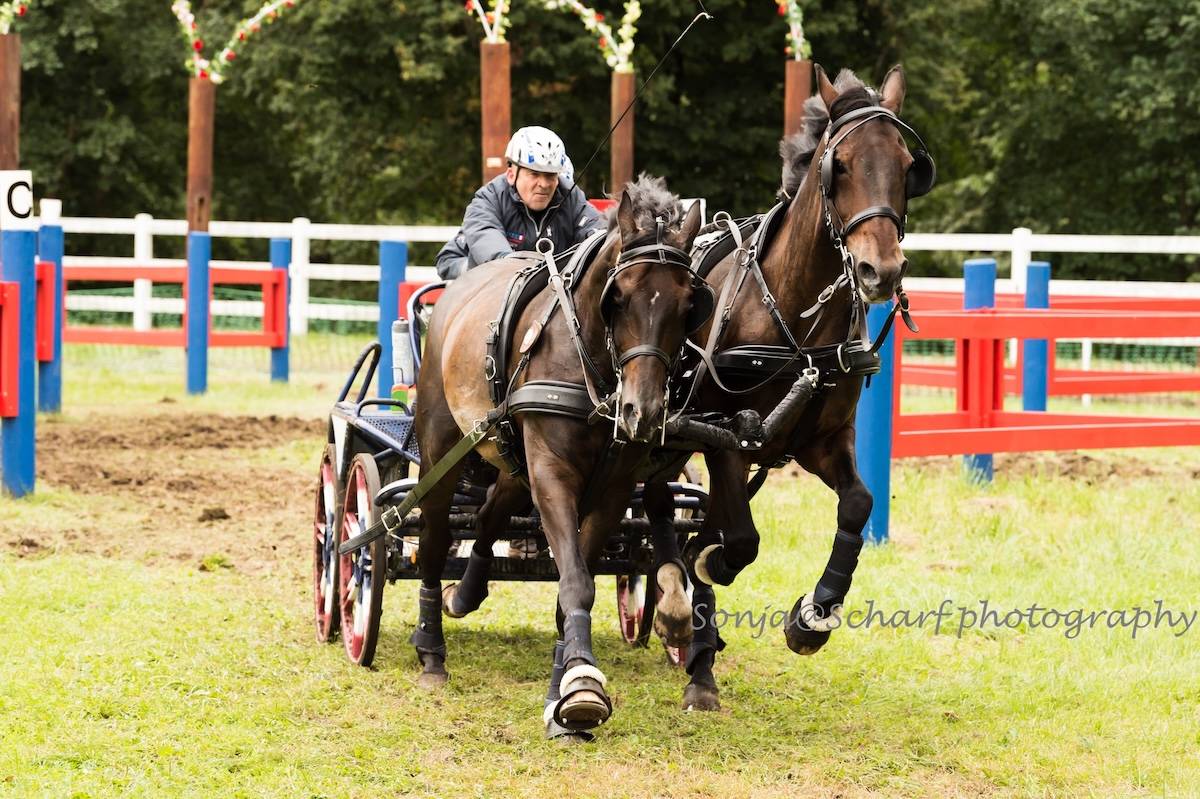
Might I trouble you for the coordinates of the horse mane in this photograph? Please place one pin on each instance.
(651, 199)
(797, 150)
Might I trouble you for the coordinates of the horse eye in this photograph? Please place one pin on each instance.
(839, 166)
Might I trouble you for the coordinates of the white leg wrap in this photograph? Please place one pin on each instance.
(701, 566)
(576, 672)
(548, 713)
(810, 614)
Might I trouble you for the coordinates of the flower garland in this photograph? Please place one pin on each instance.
(14, 8)
(798, 47)
(214, 70)
(618, 50)
(495, 22)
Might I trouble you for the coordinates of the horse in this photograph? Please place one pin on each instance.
(847, 179)
(635, 305)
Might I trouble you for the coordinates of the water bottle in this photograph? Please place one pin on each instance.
(403, 370)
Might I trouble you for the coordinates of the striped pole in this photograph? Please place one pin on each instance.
(281, 259)
(1035, 373)
(199, 254)
(873, 429)
(50, 248)
(18, 435)
(393, 261)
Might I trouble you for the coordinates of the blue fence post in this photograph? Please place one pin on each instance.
(199, 254)
(979, 291)
(1035, 372)
(873, 430)
(50, 248)
(281, 258)
(18, 436)
(393, 261)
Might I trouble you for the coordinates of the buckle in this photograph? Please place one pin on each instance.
(489, 367)
(826, 294)
(842, 364)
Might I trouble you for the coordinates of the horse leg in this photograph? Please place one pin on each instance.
(701, 691)
(582, 702)
(673, 611)
(506, 497)
(437, 434)
(729, 541)
(814, 617)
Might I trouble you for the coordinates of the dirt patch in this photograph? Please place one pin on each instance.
(1101, 467)
(184, 488)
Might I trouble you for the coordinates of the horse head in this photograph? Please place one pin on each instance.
(866, 174)
(651, 301)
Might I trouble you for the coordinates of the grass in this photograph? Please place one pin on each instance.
(129, 677)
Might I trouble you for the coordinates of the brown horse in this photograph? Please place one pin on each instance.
(634, 305)
(847, 181)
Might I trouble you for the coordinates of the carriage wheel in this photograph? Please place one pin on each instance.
(634, 616)
(361, 573)
(325, 585)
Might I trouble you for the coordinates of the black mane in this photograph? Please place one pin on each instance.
(798, 149)
(651, 199)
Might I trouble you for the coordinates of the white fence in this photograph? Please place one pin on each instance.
(1020, 245)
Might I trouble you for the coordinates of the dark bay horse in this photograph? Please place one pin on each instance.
(847, 181)
(635, 309)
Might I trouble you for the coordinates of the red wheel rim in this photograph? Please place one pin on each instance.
(356, 570)
(325, 589)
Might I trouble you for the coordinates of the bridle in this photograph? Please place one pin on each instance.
(604, 398)
(656, 254)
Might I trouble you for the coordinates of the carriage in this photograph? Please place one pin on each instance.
(367, 468)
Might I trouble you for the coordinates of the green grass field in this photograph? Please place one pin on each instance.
(131, 672)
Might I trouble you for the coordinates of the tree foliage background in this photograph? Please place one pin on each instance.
(1073, 116)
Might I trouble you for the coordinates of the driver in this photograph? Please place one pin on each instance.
(535, 198)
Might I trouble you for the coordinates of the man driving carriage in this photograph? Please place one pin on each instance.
(536, 197)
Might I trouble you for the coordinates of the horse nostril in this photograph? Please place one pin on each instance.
(868, 273)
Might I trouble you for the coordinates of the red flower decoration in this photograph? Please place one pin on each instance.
(230, 56)
(782, 10)
(469, 6)
(197, 45)
(20, 11)
(603, 42)
(204, 73)
(599, 17)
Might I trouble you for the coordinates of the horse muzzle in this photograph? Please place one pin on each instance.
(641, 425)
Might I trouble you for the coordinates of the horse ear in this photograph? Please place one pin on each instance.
(625, 220)
(825, 87)
(893, 89)
(690, 226)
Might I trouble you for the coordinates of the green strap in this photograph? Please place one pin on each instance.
(393, 518)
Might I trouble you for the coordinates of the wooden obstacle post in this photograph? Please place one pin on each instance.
(797, 87)
(624, 86)
(18, 437)
(202, 102)
(496, 105)
(873, 423)
(1035, 362)
(10, 101)
(393, 264)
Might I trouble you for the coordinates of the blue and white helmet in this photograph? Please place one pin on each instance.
(537, 148)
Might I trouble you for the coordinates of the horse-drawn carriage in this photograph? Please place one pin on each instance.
(751, 349)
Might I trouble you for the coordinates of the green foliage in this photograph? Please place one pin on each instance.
(1074, 116)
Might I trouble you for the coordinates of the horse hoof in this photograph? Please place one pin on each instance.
(583, 703)
(448, 601)
(433, 680)
(584, 709)
(557, 732)
(700, 697)
(673, 616)
(801, 639)
(700, 566)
